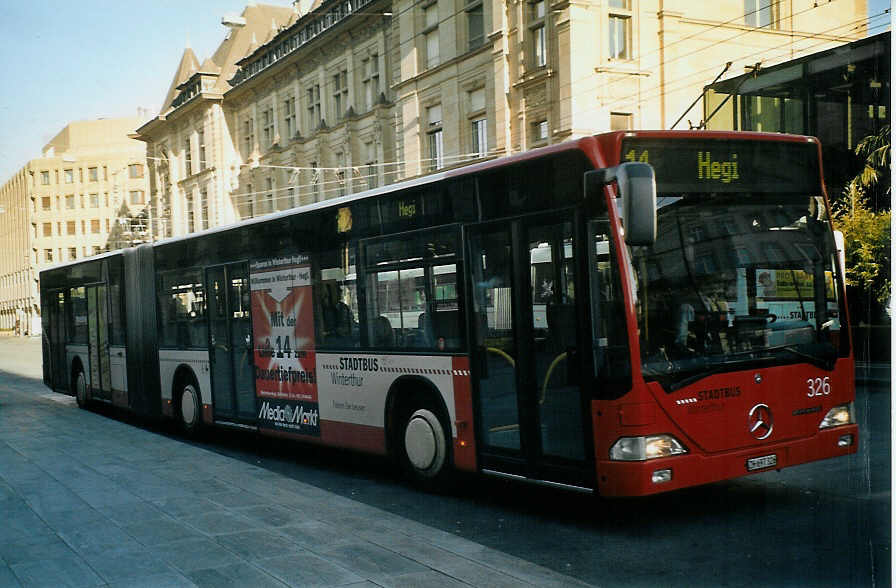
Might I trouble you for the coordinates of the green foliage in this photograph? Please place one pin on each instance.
(872, 184)
(867, 242)
(864, 218)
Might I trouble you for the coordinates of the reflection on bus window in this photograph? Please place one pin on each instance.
(78, 317)
(769, 291)
(337, 299)
(412, 292)
(181, 298)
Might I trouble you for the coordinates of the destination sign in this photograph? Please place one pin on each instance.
(718, 165)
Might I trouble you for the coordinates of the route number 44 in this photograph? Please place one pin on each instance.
(819, 386)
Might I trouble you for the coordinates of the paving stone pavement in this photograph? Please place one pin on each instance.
(88, 500)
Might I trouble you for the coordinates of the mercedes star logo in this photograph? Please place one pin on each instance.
(760, 421)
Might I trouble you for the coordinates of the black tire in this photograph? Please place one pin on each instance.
(189, 408)
(423, 445)
(82, 392)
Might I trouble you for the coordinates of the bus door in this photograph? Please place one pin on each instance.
(56, 316)
(531, 411)
(98, 341)
(230, 342)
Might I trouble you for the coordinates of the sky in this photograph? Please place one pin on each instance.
(68, 61)
(65, 61)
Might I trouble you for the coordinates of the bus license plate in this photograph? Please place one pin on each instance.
(759, 463)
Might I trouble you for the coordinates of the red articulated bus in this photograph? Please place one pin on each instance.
(629, 313)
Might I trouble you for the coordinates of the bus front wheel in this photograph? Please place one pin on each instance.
(424, 446)
(81, 393)
(190, 408)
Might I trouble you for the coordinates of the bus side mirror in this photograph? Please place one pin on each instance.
(637, 188)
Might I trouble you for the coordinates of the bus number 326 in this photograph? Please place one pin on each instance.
(819, 386)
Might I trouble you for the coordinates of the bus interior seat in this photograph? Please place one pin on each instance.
(383, 336)
(446, 324)
(424, 330)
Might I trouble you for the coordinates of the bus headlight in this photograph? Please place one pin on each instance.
(839, 415)
(646, 447)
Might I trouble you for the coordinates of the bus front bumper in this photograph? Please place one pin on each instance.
(640, 478)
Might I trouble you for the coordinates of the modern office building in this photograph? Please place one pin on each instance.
(319, 99)
(87, 193)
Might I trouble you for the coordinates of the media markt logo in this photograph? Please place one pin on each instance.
(295, 417)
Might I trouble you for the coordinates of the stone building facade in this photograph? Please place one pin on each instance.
(87, 193)
(319, 99)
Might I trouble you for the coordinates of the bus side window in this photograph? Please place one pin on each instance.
(336, 298)
(609, 338)
(411, 292)
(182, 309)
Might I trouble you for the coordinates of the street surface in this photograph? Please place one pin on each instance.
(134, 503)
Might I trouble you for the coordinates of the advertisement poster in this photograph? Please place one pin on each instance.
(283, 329)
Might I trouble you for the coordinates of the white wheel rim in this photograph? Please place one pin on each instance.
(424, 442)
(188, 406)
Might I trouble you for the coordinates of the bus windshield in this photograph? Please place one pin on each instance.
(734, 281)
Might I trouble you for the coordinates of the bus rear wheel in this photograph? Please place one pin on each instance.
(190, 408)
(81, 393)
(424, 446)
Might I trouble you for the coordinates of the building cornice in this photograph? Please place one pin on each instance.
(301, 34)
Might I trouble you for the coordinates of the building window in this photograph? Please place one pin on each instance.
(370, 160)
(97, 249)
(539, 132)
(761, 13)
(431, 35)
(620, 121)
(48, 229)
(475, 25)
(69, 176)
(434, 137)
(46, 202)
(188, 157)
(71, 227)
(70, 201)
(45, 178)
(340, 173)
(92, 174)
(289, 107)
(249, 136)
(203, 209)
(340, 94)
(537, 34)
(313, 106)
(136, 197)
(135, 171)
(48, 255)
(108, 225)
(191, 221)
(480, 138)
(95, 226)
(267, 126)
(371, 81)
(314, 184)
(620, 29)
(269, 196)
(201, 136)
(73, 253)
